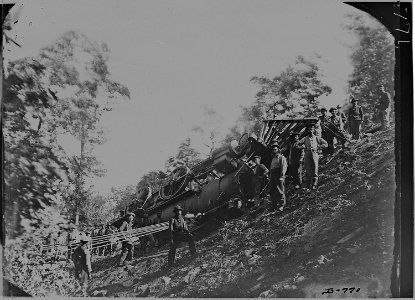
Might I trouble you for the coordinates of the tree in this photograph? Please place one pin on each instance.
(152, 179)
(293, 93)
(373, 60)
(32, 170)
(209, 131)
(122, 196)
(186, 156)
(99, 209)
(77, 73)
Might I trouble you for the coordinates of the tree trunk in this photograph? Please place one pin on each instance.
(81, 171)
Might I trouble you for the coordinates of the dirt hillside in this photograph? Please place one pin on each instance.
(339, 237)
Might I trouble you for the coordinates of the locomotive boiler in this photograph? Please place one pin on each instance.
(217, 182)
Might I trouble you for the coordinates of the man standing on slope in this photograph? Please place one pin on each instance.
(295, 161)
(312, 144)
(261, 173)
(384, 106)
(127, 244)
(82, 260)
(277, 172)
(179, 233)
(355, 119)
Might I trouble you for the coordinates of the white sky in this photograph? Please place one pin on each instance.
(176, 57)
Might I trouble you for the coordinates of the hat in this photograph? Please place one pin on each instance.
(338, 106)
(311, 125)
(353, 100)
(257, 156)
(130, 214)
(332, 109)
(177, 207)
(274, 144)
(85, 238)
(323, 109)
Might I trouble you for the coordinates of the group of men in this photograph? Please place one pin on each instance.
(178, 232)
(305, 152)
(301, 151)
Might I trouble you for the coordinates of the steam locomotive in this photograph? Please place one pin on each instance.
(222, 181)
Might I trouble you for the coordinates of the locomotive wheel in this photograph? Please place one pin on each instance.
(179, 179)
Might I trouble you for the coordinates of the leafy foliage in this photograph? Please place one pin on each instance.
(209, 131)
(99, 209)
(122, 197)
(186, 156)
(77, 72)
(32, 170)
(293, 93)
(152, 179)
(373, 60)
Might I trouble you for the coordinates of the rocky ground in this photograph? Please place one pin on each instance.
(339, 237)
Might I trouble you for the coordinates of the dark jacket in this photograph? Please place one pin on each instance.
(261, 170)
(356, 113)
(296, 153)
(82, 260)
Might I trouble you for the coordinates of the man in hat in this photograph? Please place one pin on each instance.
(73, 238)
(312, 144)
(295, 160)
(127, 244)
(342, 116)
(82, 261)
(334, 121)
(278, 168)
(112, 240)
(355, 119)
(148, 239)
(325, 132)
(384, 106)
(158, 235)
(261, 173)
(335, 118)
(179, 233)
(102, 247)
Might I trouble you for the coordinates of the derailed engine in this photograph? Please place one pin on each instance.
(222, 181)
